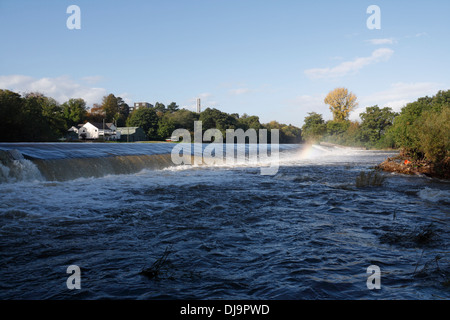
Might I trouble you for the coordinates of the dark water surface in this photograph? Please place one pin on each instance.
(230, 233)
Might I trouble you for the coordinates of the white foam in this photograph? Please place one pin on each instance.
(19, 170)
(4, 173)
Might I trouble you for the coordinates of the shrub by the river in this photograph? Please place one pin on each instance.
(371, 178)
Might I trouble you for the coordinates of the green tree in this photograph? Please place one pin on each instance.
(160, 107)
(291, 134)
(287, 133)
(375, 122)
(183, 119)
(351, 137)
(115, 109)
(11, 113)
(33, 117)
(216, 119)
(337, 128)
(173, 107)
(274, 125)
(111, 107)
(165, 127)
(44, 118)
(314, 127)
(248, 122)
(33, 120)
(420, 121)
(433, 133)
(74, 112)
(146, 119)
(441, 100)
(53, 113)
(123, 112)
(403, 130)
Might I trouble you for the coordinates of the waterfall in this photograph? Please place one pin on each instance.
(14, 167)
(73, 168)
(69, 161)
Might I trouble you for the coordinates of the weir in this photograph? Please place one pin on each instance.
(20, 169)
(73, 168)
(62, 162)
(69, 161)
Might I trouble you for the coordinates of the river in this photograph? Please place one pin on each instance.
(225, 231)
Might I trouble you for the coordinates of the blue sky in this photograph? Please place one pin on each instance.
(274, 59)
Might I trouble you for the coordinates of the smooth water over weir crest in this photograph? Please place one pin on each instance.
(62, 162)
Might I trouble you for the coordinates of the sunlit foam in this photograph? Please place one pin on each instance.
(308, 152)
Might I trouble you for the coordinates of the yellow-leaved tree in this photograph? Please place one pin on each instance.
(341, 103)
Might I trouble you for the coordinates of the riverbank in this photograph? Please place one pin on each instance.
(405, 165)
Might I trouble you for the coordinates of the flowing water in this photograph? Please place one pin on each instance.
(227, 231)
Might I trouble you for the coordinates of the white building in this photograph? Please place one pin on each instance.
(94, 131)
(75, 129)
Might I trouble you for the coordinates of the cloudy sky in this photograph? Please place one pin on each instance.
(274, 59)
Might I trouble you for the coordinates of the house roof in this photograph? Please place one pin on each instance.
(99, 125)
(127, 130)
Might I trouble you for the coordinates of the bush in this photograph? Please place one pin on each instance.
(314, 128)
(422, 129)
(433, 134)
(371, 178)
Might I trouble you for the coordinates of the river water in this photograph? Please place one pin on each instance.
(227, 232)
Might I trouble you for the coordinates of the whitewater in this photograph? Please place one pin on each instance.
(307, 232)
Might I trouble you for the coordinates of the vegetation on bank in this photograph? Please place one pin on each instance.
(370, 132)
(35, 117)
(421, 131)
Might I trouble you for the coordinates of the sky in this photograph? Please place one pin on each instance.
(274, 59)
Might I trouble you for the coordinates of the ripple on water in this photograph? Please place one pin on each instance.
(306, 233)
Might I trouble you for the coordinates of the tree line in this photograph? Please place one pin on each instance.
(421, 129)
(35, 117)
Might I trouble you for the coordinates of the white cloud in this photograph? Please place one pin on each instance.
(312, 103)
(207, 100)
(60, 88)
(239, 91)
(205, 95)
(126, 97)
(350, 67)
(417, 35)
(382, 41)
(421, 34)
(92, 79)
(299, 107)
(397, 96)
